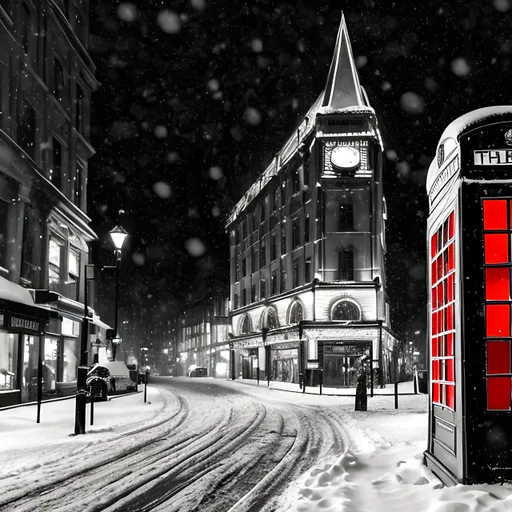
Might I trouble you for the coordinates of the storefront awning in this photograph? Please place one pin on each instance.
(96, 321)
(16, 299)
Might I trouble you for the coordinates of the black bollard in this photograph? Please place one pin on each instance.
(81, 399)
(396, 395)
(146, 386)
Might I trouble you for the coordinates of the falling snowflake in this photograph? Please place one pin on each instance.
(257, 45)
(127, 12)
(200, 5)
(162, 189)
(215, 173)
(460, 67)
(195, 247)
(160, 131)
(252, 116)
(502, 5)
(169, 21)
(412, 103)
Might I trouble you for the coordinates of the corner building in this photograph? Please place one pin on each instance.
(46, 79)
(307, 247)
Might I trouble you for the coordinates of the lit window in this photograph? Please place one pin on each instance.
(346, 310)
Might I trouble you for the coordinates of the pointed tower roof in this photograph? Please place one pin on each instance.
(343, 88)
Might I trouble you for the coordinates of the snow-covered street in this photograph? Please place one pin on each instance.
(212, 445)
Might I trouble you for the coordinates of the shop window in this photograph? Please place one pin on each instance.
(72, 287)
(346, 265)
(50, 364)
(443, 333)
(8, 361)
(498, 260)
(346, 310)
(296, 313)
(4, 219)
(70, 359)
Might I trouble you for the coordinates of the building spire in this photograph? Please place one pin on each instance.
(343, 89)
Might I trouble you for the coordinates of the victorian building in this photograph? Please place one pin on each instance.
(46, 79)
(307, 248)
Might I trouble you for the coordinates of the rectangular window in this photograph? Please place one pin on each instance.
(237, 270)
(443, 314)
(284, 276)
(283, 239)
(56, 170)
(346, 265)
(237, 300)
(79, 181)
(244, 295)
(306, 229)
(55, 263)
(296, 280)
(296, 233)
(273, 283)
(263, 254)
(8, 361)
(308, 270)
(58, 79)
(263, 289)
(4, 219)
(276, 199)
(70, 359)
(254, 260)
(253, 293)
(273, 247)
(283, 193)
(79, 108)
(346, 217)
(244, 267)
(73, 274)
(296, 181)
(26, 128)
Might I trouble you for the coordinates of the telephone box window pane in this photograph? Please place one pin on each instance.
(440, 267)
(449, 318)
(496, 248)
(497, 283)
(498, 357)
(450, 397)
(434, 299)
(497, 320)
(433, 246)
(451, 225)
(440, 320)
(435, 392)
(450, 292)
(498, 393)
(495, 214)
(451, 256)
(449, 344)
(450, 374)
(435, 342)
(435, 369)
(434, 272)
(440, 295)
(434, 323)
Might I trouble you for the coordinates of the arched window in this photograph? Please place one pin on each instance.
(296, 313)
(246, 326)
(269, 319)
(346, 310)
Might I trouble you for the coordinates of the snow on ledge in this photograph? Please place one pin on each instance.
(15, 293)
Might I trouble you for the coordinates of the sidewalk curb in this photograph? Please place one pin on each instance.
(60, 398)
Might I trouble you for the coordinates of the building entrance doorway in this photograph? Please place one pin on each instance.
(342, 364)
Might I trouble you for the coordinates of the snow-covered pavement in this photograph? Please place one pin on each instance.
(138, 451)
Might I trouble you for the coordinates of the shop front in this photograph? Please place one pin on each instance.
(284, 359)
(220, 362)
(344, 361)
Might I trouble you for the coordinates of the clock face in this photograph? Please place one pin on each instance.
(345, 157)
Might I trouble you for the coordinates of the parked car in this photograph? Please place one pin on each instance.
(197, 371)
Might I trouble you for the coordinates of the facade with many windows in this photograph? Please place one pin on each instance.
(307, 248)
(46, 79)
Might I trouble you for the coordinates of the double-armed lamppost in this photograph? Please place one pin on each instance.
(118, 236)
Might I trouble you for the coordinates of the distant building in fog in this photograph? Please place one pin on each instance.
(307, 248)
(46, 80)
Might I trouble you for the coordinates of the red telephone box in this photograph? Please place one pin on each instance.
(469, 233)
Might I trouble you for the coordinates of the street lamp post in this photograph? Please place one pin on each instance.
(118, 236)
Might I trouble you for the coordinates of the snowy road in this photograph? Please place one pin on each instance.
(217, 449)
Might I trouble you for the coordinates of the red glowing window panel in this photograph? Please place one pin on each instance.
(435, 343)
(497, 283)
(497, 320)
(434, 272)
(451, 225)
(435, 369)
(450, 396)
(451, 256)
(440, 320)
(433, 246)
(440, 295)
(450, 289)
(439, 262)
(449, 344)
(449, 317)
(498, 393)
(498, 357)
(435, 392)
(434, 324)
(434, 298)
(450, 373)
(495, 214)
(496, 248)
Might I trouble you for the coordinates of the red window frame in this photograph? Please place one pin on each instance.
(443, 265)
